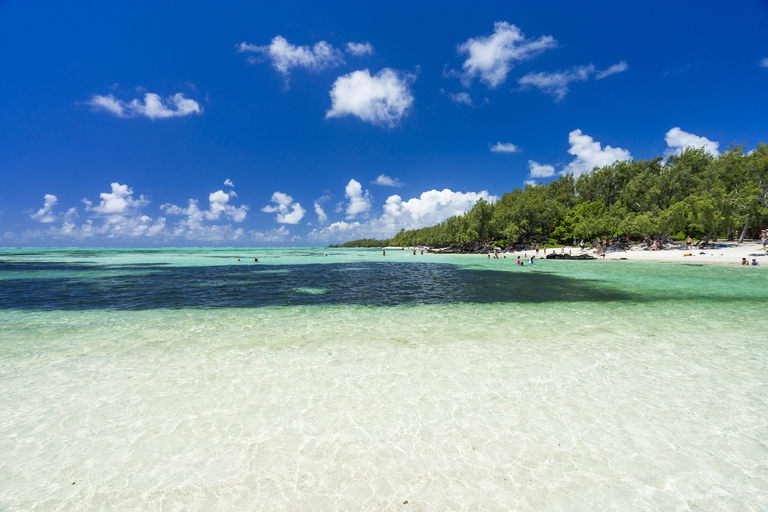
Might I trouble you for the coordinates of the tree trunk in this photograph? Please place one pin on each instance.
(706, 239)
(744, 231)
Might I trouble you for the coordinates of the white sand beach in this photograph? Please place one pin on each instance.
(729, 253)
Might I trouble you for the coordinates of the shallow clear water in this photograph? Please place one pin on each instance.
(185, 380)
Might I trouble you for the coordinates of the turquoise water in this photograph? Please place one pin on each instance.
(184, 379)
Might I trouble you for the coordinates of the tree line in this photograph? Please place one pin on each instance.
(691, 194)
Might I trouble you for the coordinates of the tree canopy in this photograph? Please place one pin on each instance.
(691, 194)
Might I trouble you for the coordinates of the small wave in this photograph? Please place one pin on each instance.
(310, 291)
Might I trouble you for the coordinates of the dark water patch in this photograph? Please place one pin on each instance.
(377, 284)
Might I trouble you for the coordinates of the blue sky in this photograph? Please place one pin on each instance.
(303, 123)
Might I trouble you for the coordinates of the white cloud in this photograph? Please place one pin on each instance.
(152, 107)
(341, 226)
(462, 98)
(280, 234)
(359, 202)
(193, 227)
(532, 183)
(616, 68)
(678, 140)
(118, 215)
(218, 205)
(322, 217)
(540, 171)
(386, 181)
(556, 83)
(382, 99)
(109, 104)
(763, 63)
(589, 154)
(429, 209)
(504, 147)
(492, 57)
(45, 214)
(360, 49)
(286, 56)
(118, 202)
(288, 212)
(228, 183)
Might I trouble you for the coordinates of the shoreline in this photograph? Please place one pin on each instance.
(730, 255)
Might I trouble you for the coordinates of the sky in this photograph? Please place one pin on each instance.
(172, 124)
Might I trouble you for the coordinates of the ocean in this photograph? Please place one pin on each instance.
(341, 379)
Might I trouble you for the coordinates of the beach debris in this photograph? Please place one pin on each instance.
(553, 256)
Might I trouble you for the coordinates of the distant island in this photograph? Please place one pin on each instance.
(691, 194)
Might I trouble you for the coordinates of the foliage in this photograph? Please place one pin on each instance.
(693, 193)
(365, 242)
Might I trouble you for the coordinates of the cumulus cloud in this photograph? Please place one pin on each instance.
(426, 210)
(45, 214)
(386, 181)
(589, 154)
(228, 183)
(218, 206)
(119, 215)
(288, 212)
(382, 99)
(763, 63)
(556, 83)
(193, 226)
(286, 56)
(359, 202)
(538, 170)
(492, 57)
(360, 49)
(280, 234)
(678, 140)
(504, 147)
(152, 107)
(118, 202)
(322, 217)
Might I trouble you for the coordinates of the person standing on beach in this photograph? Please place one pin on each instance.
(689, 243)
